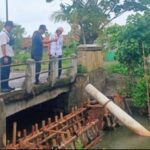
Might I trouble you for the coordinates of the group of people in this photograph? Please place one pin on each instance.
(54, 49)
(6, 52)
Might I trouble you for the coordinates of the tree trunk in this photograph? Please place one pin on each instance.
(83, 35)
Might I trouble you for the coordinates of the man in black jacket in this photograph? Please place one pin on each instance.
(37, 50)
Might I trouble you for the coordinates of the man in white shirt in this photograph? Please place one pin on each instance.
(56, 48)
(6, 54)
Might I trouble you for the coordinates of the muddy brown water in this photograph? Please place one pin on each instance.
(123, 138)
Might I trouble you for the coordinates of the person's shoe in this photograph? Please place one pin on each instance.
(11, 88)
(5, 90)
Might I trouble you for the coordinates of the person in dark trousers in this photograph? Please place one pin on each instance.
(6, 54)
(37, 50)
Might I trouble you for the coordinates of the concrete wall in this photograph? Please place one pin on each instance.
(90, 56)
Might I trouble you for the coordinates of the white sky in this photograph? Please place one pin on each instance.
(31, 13)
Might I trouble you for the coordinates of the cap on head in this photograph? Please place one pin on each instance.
(9, 24)
(60, 29)
(42, 26)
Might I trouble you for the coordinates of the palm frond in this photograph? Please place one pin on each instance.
(58, 16)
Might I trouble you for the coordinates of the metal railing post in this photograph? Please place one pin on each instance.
(30, 76)
(74, 67)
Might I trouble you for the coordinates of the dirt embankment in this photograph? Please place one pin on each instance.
(107, 84)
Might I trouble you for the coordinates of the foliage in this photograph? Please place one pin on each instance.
(108, 38)
(128, 41)
(96, 14)
(117, 68)
(67, 52)
(81, 69)
(135, 33)
(139, 94)
(21, 57)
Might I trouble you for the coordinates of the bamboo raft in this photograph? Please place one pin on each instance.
(80, 129)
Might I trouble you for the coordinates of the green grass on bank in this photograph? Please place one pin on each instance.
(115, 67)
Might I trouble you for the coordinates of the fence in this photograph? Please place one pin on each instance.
(69, 68)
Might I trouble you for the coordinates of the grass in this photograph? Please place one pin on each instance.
(115, 67)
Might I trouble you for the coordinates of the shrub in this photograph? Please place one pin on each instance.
(81, 69)
(116, 68)
(139, 96)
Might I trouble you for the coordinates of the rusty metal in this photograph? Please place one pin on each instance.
(60, 133)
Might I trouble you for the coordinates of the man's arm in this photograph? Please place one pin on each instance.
(3, 47)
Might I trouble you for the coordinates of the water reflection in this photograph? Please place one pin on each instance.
(123, 138)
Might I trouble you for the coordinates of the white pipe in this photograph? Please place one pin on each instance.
(127, 120)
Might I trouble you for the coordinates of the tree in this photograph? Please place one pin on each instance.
(135, 33)
(94, 15)
(108, 38)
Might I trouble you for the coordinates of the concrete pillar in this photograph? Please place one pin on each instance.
(74, 69)
(90, 56)
(53, 70)
(30, 76)
(2, 124)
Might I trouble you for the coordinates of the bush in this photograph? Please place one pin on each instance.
(81, 69)
(117, 68)
(139, 96)
(67, 52)
(21, 57)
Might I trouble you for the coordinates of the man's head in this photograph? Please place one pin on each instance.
(9, 25)
(59, 30)
(42, 28)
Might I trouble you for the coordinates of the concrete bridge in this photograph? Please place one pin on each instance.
(27, 94)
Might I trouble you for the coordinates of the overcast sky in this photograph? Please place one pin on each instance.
(31, 13)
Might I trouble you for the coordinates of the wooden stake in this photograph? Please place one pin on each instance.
(24, 133)
(76, 108)
(36, 127)
(72, 110)
(54, 143)
(68, 134)
(63, 137)
(14, 133)
(49, 121)
(19, 134)
(33, 129)
(61, 116)
(43, 124)
(56, 118)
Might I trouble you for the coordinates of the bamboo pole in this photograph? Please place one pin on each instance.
(127, 120)
(146, 80)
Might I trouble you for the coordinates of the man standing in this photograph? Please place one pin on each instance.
(37, 50)
(56, 48)
(6, 54)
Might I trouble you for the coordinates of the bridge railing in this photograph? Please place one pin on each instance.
(28, 78)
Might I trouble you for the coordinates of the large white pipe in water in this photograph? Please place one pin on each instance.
(127, 120)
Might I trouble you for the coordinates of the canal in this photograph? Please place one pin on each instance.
(123, 138)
